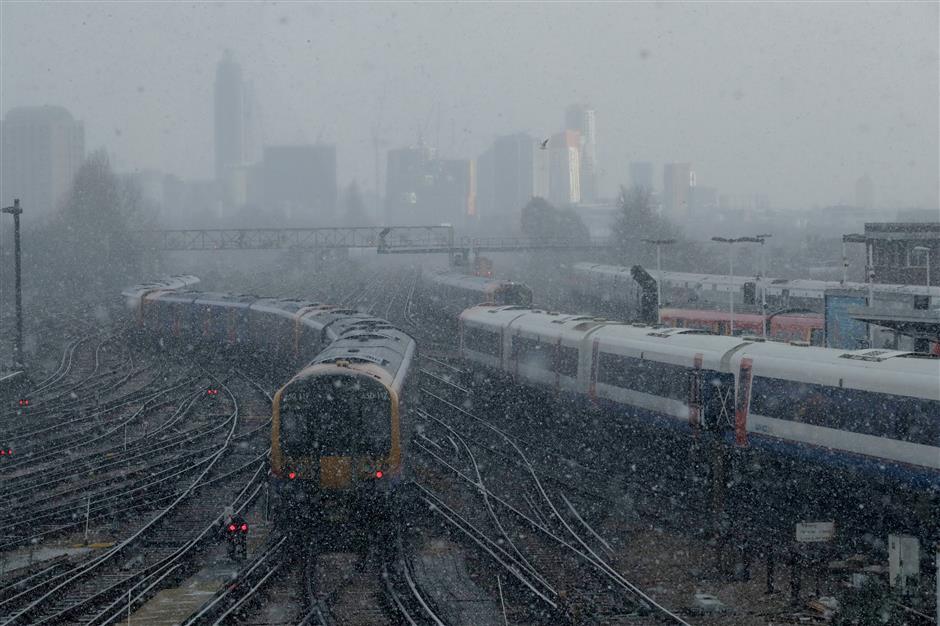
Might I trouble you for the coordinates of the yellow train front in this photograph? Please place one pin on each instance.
(340, 432)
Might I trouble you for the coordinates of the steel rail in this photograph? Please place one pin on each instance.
(53, 588)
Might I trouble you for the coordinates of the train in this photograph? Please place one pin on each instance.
(873, 410)
(340, 426)
(447, 293)
(614, 285)
(793, 307)
(806, 327)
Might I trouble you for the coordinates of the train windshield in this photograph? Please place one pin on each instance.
(335, 416)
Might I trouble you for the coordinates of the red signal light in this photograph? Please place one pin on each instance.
(10, 452)
(3, 452)
(292, 475)
(24, 401)
(244, 528)
(212, 392)
(231, 528)
(379, 474)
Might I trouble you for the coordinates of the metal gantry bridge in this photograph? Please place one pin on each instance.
(385, 239)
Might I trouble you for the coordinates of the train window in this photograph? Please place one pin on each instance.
(336, 416)
(567, 363)
(483, 341)
(659, 379)
(531, 352)
(921, 303)
(865, 412)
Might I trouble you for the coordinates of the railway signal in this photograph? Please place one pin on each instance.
(24, 401)
(212, 392)
(237, 536)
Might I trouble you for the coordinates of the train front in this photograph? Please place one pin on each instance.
(335, 451)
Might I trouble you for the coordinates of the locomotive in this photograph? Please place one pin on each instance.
(339, 425)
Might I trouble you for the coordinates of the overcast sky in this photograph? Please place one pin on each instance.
(794, 100)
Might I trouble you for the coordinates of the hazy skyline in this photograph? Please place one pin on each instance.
(794, 100)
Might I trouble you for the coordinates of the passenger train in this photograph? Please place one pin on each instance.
(613, 284)
(872, 409)
(340, 429)
(449, 293)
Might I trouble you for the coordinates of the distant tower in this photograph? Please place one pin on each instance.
(42, 148)
(865, 192)
(581, 118)
(678, 179)
(230, 109)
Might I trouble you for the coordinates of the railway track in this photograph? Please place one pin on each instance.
(160, 547)
(526, 522)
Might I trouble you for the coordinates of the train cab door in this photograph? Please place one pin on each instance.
(716, 400)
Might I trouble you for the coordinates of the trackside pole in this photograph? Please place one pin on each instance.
(87, 515)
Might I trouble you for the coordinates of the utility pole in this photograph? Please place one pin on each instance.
(659, 274)
(16, 211)
(763, 282)
(731, 241)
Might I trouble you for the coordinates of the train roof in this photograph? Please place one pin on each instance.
(671, 345)
(232, 300)
(175, 282)
(885, 371)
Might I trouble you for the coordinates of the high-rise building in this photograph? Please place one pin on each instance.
(865, 192)
(678, 179)
(641, 174)
(565, 168)
(42, 148)
(514, 175)
(237, 129)
(423, 189)
(581, 118)
(230, 125)
(301, 181)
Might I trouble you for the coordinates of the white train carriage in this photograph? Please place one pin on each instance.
(871, 407)
(863, 405)
(680, 374)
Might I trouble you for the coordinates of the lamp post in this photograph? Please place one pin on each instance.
(763, 282)
(659, 274)
(731, 241)
(15, 211)
(926, 251)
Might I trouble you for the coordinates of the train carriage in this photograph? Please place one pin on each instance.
(341, 445)
(339, 439)
(449, 293)
(866, 406)
(872, 408)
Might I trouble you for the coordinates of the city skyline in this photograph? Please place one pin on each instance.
(797, 135)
